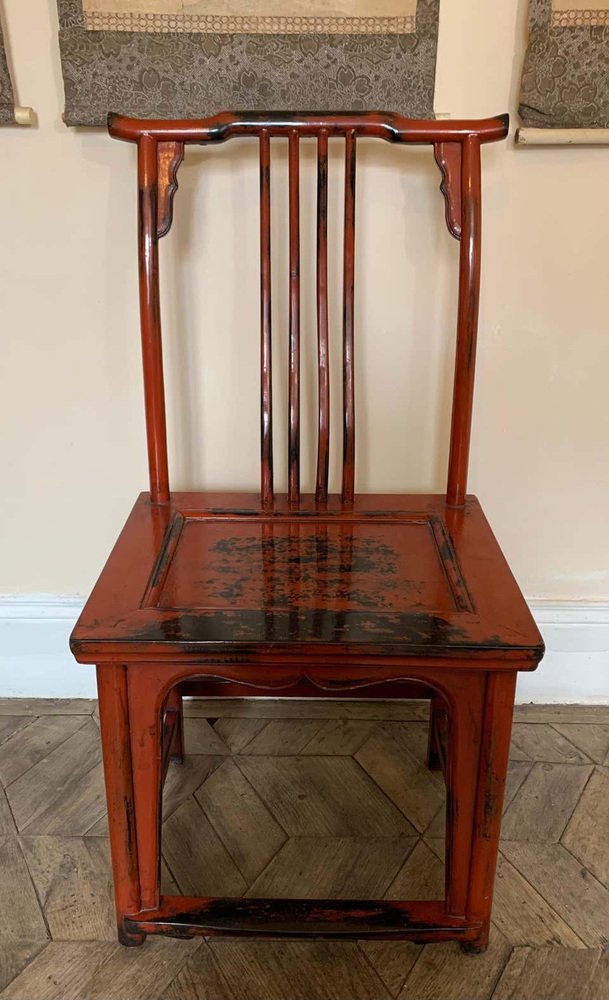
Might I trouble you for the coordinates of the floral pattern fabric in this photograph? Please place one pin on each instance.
(194, 74)
(565, 81)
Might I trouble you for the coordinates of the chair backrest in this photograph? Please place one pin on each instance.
(457, 151)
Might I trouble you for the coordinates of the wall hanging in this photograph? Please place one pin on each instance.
(185, 58)
(565, 82)
(7, 100)
(10, 113)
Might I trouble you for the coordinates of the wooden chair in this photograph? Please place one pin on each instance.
(357, 595)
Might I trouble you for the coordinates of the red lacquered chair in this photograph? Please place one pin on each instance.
(228, 594)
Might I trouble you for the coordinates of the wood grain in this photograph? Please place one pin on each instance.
(15, 957)
(339, 737)
(319, 970)
(34, 743)
(244, 824)
(444, 971)
(334, 868)
(237, 733)
(38, 797)
(74, 884)
(306, 708)
(200, 979)
(61, 971)
(591, 739)
(202, 739)
(20, 915)
(567, 887)
(552, 714)
(522, 914)
(196, 857)
(544, 742)
(388, 759)
(46, 706)
(392, 960)
(323, 796)
(10, 724)
(284, 737)
(421, 877)
(548, 974)
(184, 779)
(139, 976)
(541, 808)
(7, 823)
(587, 835)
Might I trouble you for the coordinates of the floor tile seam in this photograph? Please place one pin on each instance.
(369, 777)
(55, 748)
(21, 729)
(553, 726)
(560, 915)
(83, 777)
(375, 972)
(209, 819)
(576, 806)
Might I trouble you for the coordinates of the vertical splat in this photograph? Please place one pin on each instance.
(448, 157)
(323, 345)
(170, 155)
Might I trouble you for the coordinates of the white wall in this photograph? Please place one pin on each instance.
(72, 451)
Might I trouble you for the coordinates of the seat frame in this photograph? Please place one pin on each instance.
(141, 682)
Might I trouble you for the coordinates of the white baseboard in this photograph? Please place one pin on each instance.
(35, 661)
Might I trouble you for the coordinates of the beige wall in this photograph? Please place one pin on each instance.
(72, 443)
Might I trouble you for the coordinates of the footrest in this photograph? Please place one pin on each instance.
(182, 916)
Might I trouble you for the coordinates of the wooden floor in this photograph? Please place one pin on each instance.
(302, 799)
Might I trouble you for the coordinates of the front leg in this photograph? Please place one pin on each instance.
(494, 759)
(116, 748)
(145, 717)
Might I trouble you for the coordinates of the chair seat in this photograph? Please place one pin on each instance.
(393, 575)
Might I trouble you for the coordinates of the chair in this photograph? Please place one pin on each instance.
(358, 595)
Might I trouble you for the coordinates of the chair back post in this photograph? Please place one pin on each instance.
(150, 317)
(467, 321)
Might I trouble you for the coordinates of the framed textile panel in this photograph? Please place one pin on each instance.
(192, 58)
(565, 82)
(7, 101)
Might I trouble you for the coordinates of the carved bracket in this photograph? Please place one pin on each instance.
(170, 156)
(448, 158)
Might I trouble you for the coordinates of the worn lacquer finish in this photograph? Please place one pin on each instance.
(398, 574)
(170, 156)
(301, 595)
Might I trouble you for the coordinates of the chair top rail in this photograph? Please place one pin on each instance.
(375, 124)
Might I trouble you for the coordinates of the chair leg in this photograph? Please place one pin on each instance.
(174, 704)
(116, 748)
(494, 758)
(145, 723)
(465, 732)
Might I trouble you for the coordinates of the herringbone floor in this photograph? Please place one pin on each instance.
(302, 799)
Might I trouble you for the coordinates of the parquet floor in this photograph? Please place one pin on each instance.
(302, 799)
